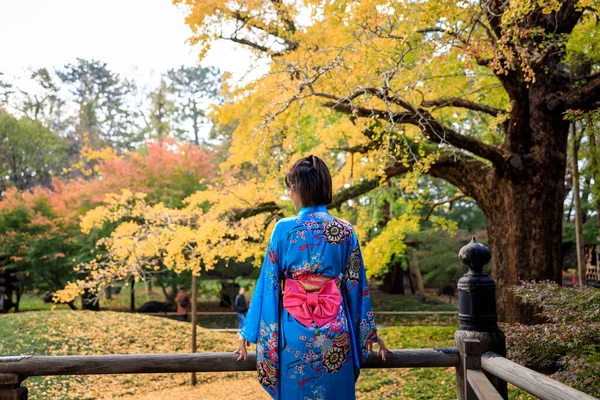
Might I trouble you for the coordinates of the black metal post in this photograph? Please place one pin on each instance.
(477, 314)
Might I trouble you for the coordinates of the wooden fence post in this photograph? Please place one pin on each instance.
(477, 315)
(10, 388)
(132, 295)
(470, 359)
(194, 318)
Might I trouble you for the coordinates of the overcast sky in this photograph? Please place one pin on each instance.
(137, 38)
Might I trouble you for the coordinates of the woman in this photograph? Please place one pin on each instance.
(311, 315)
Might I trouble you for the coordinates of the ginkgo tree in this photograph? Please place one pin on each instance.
(39, 228)
(472, 92)
(149, 237)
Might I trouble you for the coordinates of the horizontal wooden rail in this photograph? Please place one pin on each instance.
(532, 382)
(215, 313)
(26, 366)
(455, 313)
(209, 313)
(482, 386)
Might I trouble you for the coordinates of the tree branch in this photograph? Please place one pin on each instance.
(434, 205)
(284, 15)
(359, 148)
(274, 31)
(463, 171)
(587, 78)
(248, 43)
(431, 128)
(583, 98)
(338, 199)
(267, 207)
(353, 192)
(461, 103)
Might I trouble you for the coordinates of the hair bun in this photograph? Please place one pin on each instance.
(312, 161)
(309, 162)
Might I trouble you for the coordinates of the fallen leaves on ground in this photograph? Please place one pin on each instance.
(90, 333)
(93, 333)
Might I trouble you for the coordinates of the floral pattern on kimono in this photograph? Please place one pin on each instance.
(301, 362)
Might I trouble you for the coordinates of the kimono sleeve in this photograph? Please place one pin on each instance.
(358, 300)
(264, 305)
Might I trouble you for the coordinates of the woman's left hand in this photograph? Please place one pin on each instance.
(383, 350)
(241, 350)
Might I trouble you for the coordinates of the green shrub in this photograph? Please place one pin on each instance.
(568, 345)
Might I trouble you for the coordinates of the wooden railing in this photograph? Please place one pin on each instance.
(29, 366)
(479, 370)
(233, 314)
(482, 372)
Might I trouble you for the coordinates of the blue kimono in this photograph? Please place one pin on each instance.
(301, 362)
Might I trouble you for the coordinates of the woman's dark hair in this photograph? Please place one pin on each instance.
(309, 176)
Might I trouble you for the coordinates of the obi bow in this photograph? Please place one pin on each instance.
(306, 307)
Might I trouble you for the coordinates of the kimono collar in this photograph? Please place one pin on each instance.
(312, 209)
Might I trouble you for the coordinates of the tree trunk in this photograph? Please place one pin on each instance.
(132, 295)
(415, 269)
(20, 290)
(409, 277)
(393, 280)
(168, 297)
(522, 196)
(595, 162)
(524, 226)
(578, 213)
(196, 127)
(90, 301)
(194, 318)
(567, 217)
(585, 195)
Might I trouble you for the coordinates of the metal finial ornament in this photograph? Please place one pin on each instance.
(475, 256)
(476, 290)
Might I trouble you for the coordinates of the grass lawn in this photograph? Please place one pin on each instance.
(406, 302)
(208, 291)
(81, 332)
(209, 302)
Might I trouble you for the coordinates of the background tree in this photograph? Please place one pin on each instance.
(592, 130)
(30, 154)
(101, 99)
(166, 171)
(472, 93)
(39, 242)
(162, 116)
(40, 232)
(195, 90)
(44, 103)
(5, 92)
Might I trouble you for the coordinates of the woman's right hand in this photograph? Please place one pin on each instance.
(241, 350)
(383, 350)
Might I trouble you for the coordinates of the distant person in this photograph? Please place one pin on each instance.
(183, 304)
(240, 307)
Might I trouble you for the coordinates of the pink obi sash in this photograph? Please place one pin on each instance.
(319, 306)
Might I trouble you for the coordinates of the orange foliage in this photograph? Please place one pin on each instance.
(159, 173)
(167, 171)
